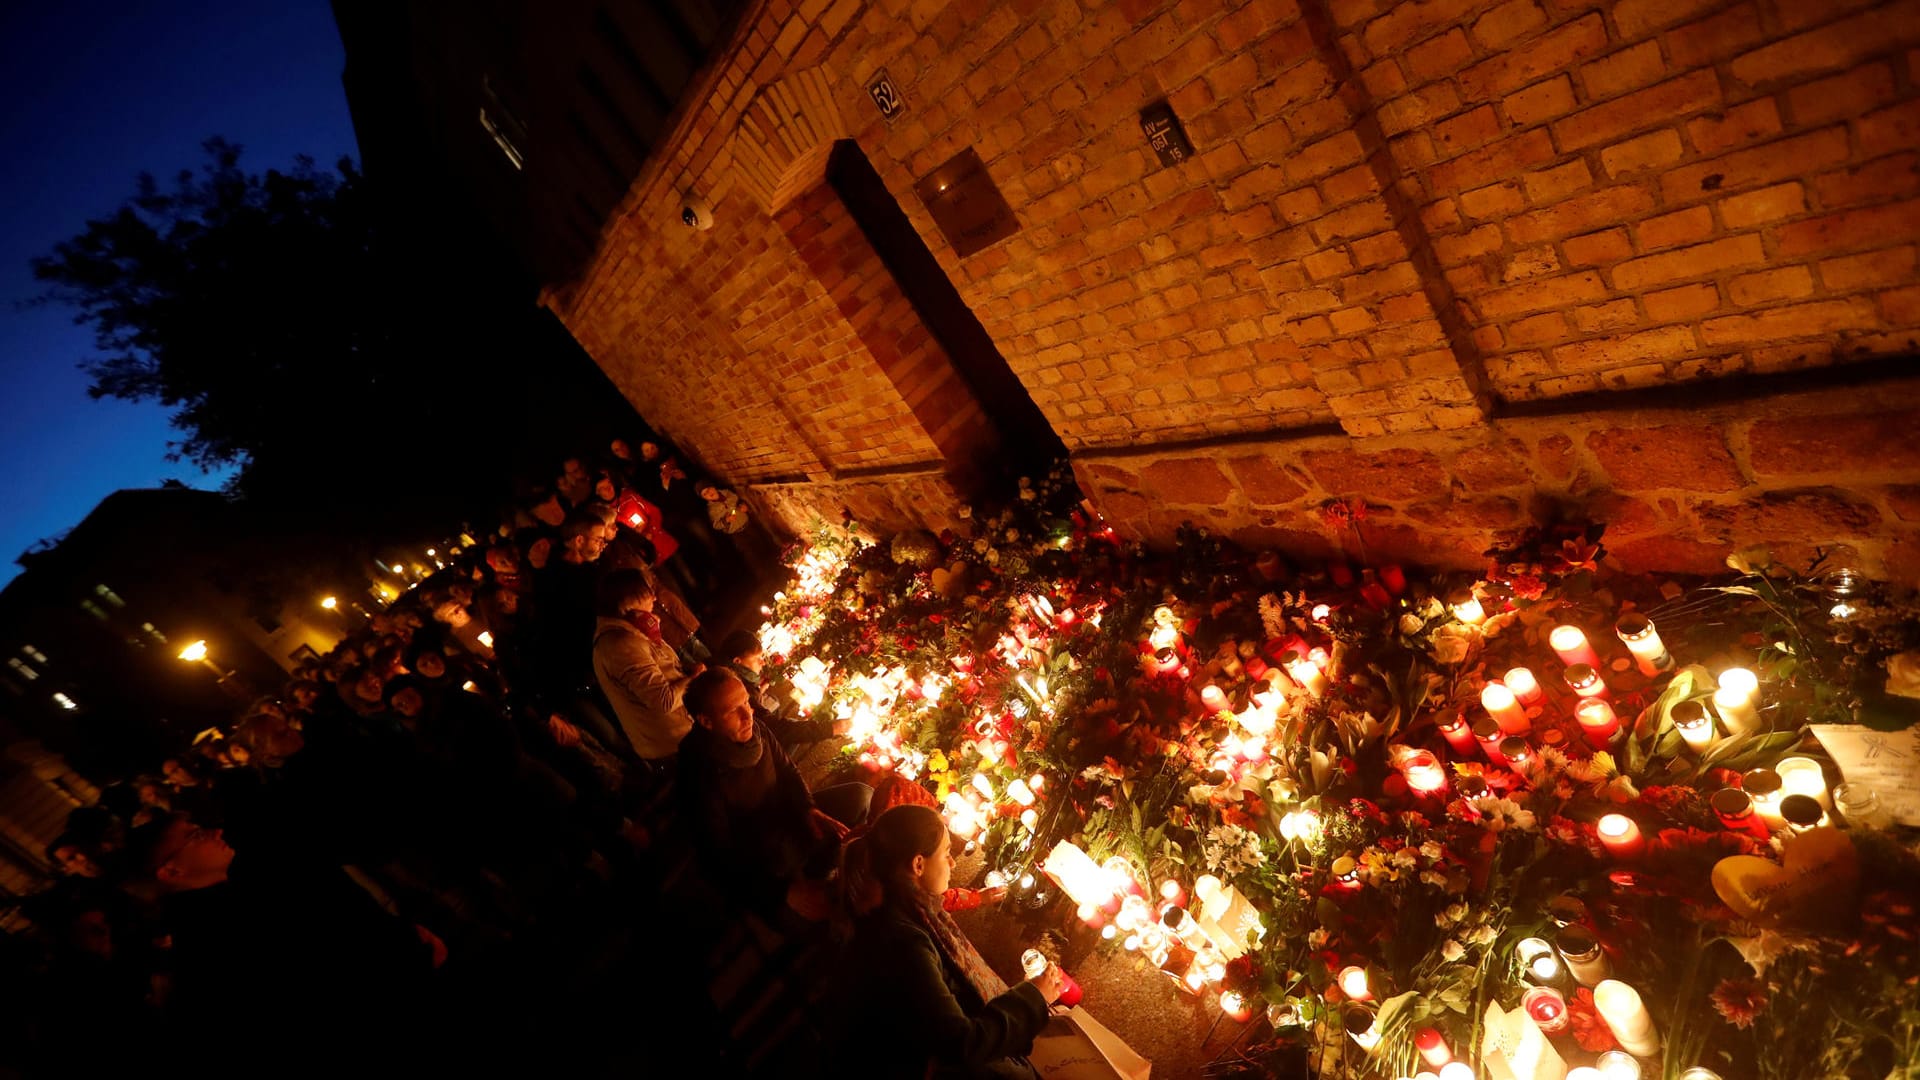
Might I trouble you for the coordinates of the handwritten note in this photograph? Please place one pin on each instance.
(1886, 763)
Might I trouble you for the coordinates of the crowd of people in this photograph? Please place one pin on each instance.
(447, 840)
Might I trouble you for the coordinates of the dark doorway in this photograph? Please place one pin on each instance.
(1029, 441)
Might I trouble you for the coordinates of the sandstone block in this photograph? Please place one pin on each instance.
(1683, 457)
(1383, 474)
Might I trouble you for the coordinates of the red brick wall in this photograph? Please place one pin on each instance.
(1401, 218)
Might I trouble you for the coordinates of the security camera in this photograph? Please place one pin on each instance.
(695, 214)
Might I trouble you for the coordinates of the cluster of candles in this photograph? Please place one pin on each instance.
(1190, 943)
(971, 809)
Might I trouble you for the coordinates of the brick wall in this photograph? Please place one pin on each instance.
(1403, 222)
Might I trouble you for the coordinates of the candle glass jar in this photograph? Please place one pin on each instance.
(1734, 808)
(1803, 776)
(1524, 686)
(1649, 652)
(1548, 1009)
(1586, 681)
(1802, 813)
(1695, 726)
(1764, 788)
(1860, 807)
(1597, 722)
(1585, 960)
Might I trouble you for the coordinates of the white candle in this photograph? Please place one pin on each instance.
(1019, 792)
(1456, 1070)
(1597, 722)
(1505, 709)
(1571, 643)
(1620, 1006)
(1621, 836)
(1466, 607)
(1305, 672)
(1524, 686)
(1586, 682)
(1353, 983)
(1213, 698)
(1803, 776)
(1694, 725)
(1764, 788)
(1736, 710)
(1643, 641)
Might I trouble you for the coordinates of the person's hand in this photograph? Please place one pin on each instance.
(563, 733)
(841, 727)
(1050, 983)
(992, 893)
(433, 944)
(826, 826)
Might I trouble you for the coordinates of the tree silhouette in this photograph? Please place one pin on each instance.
(340, 352)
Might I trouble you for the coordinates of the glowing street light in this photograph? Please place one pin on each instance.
(329, 602)
(194, 653)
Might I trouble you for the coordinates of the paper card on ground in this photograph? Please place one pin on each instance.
(1885, 762)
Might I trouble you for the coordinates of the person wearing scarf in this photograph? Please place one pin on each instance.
(918, 999)
(761, 833)
(637, 669)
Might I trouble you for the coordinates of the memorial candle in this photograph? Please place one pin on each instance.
(1734, 808)
(1587, 682)
(1235, 1006)
(1695, 726)
(1305, 672)
(1803, 776)
(1649, 652)
(1353, 983)
(1505, 709)
(1458, 735)
(1737, 700)
(1571, 643)
(1620, 1006)
(1597, 722)
(1621, 837)
(1524, 686)
(1581, 952)
(1456, 1070)
(1548, 1009)
(1518, 754)
(1213, 698)
(1617, 1065)
(1425, 775)
(1487, 733)
(1802, 813)
(1466, 607)
(1764, 788)
(1432, 1046)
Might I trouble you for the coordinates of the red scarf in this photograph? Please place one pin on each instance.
(649, 624)
(955, 947)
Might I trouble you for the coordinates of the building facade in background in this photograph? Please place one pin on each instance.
(1470, 262)
(93, 629)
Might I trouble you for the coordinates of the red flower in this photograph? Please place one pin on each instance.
(1591, 1032)
(1740, 1000)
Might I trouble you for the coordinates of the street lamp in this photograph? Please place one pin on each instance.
(194, 653)
(329, 602)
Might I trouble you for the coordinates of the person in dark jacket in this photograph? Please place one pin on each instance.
(743, 656)
(924, 1002)
(761, 832)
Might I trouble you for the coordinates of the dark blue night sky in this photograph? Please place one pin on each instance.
(95, 94)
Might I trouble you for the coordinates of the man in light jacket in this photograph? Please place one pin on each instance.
(637, 669)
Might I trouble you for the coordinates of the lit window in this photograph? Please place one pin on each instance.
(34, 653)
(109, 596)
(65, 702)
(25, 672)
(93, 609)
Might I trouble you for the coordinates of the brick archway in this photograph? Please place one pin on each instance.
(785, 137)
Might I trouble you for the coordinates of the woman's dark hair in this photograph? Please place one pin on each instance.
(876, 865)
(617, 590)
(737, 644)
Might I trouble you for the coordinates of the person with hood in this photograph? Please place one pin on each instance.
(637, 670)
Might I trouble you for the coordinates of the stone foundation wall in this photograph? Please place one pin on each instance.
(1679, 483)
(884, 503)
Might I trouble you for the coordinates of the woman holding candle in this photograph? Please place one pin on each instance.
(919, 1000)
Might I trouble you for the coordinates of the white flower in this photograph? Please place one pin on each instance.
(1432, 850)
(1411, 623)
(1903, 674)
(1434, 877)
(1453, 642)
(1406, 858)
(1452, 951)
(1500, 814)
(1482, 935)
(980, 546)
(1317, 938)
(966, 513)
(1232, 850)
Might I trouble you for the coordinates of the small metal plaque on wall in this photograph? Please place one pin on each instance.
(1164, 133)
(886, 95)
(971, 212)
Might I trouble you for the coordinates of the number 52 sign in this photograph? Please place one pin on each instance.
(886, 95)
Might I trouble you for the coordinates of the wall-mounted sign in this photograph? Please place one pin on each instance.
(1164, 133)
(886, 95)
(964, 202)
